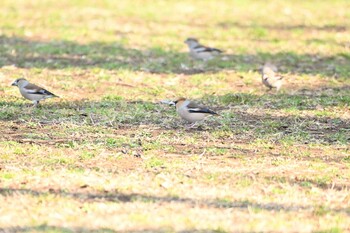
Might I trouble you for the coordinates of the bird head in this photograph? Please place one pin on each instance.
(179, 101)
(191, 41)
(18, 82)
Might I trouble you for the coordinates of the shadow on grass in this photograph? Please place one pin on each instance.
(127, 198)
(281, 27)
(305, 99)
(58, 229)
(26, 53)
(267, 124)
(98, 113)
(310, 183)
(47, 228)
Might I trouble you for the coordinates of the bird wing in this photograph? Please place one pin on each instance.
(275, 77)
(34, 89)
(201, 49)
(195, 108)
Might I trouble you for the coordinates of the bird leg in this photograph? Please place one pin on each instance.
(36, 102)
(193, 125)
(268, 90)
(192, 61)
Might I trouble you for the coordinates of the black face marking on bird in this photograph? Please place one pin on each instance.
(179, 100)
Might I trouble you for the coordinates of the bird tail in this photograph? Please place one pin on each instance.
(213, 113)
(54, 96)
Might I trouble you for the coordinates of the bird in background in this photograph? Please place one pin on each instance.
(201, 52)
(270, 78)
(31, 91)
(191, 111)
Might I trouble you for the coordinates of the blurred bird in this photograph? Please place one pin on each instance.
(201, 52)
(270, 78)
(190, 111)
(31, 91)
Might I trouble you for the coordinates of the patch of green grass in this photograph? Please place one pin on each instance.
(244, 182)
(7, 175)
(238, 99)
(331, 230)
(346, 159)
(114, 98)
(306, 184)
(341, 137)
(258, 33)
(321, 210)
(87, 155)
(155, 163)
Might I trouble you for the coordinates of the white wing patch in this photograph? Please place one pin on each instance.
(37, 91)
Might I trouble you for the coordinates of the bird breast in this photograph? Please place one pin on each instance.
(190, 116)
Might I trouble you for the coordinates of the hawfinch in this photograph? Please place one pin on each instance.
(31, 91)
(201, 52)
(190, 111)
(270, 78)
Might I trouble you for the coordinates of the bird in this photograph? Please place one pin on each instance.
(31, 91)
(201, 52)
(191, 111)
(270, 78)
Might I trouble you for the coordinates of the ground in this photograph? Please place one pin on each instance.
(109, 157)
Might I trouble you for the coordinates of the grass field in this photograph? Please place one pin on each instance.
(108, 157)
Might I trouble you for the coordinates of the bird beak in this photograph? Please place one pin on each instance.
(172, 103)
(14, 84)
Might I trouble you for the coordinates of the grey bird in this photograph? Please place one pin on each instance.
(191, 111)
(201, 52)
(31, 91)
(270, 78)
